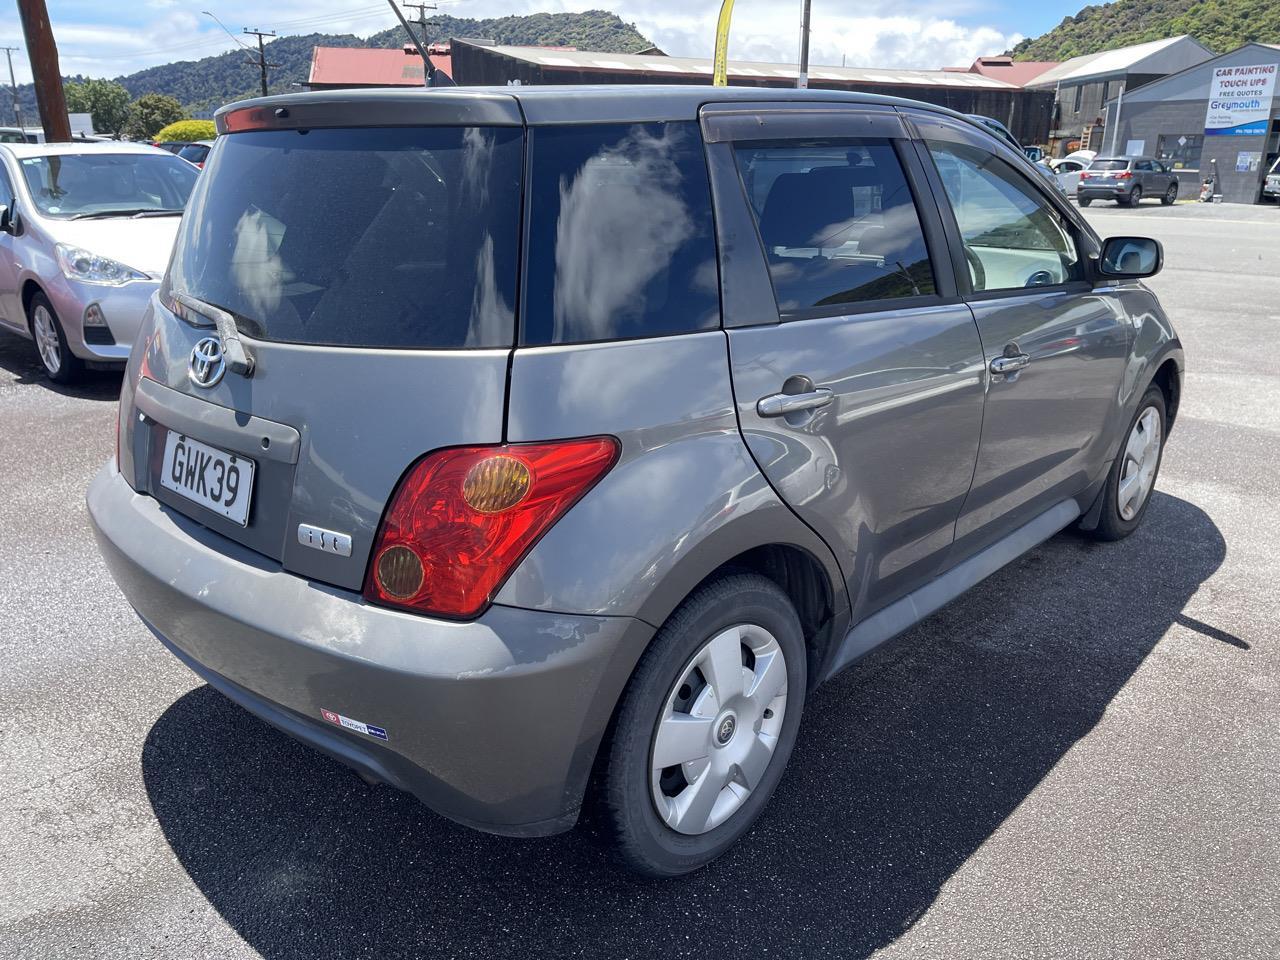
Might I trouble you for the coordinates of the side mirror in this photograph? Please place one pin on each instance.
(1130, 258)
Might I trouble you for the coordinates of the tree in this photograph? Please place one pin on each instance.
(187, 131)
(149, 113)
(106, 100)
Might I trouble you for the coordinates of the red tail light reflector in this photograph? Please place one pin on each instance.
(1124, 175)
(462, 519)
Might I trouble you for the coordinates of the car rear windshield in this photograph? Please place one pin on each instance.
(1109, 165)
(389, 237)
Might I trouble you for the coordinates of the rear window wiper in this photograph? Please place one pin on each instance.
(238, 358)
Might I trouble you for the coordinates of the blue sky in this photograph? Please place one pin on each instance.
(107, 39)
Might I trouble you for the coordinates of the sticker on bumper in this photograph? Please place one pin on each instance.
(368, 729)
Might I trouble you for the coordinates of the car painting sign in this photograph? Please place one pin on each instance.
(1240, 100)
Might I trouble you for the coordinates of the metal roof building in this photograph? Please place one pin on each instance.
(1026, 113)
(335, 68)
(1084, 85)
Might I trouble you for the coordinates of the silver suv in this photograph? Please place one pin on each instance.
(543, 447)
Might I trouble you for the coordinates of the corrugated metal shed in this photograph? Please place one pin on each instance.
(675, 68)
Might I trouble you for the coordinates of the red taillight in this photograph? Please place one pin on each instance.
(1124, 175)
(462, 519)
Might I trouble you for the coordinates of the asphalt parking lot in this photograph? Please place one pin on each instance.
(1081, 758)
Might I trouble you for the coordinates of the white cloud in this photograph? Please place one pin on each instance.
(873, 33)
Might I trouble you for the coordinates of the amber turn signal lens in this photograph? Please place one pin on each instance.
(495, 484)
(400, 572)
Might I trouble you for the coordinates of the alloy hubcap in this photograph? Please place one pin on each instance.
(1138, 469)
(46, 335)
(718, 729)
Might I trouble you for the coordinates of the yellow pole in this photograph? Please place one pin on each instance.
(721, 77)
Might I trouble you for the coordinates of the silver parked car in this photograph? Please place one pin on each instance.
(1127, 181)
(85, 233)
(543, 447)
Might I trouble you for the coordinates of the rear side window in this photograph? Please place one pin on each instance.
(620, 234)
(386, 237)
(838, 223)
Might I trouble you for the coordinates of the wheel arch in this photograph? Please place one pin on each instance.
(778, 546)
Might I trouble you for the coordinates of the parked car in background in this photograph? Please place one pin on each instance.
(196, 152)
(1127, 181)
(1271, 185)
(1067, 171)
(85, 234)
(172, 146)
(657, 505)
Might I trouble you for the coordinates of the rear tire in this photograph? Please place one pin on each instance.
(1135, 196)
(671, 820)
(60, 364)
(1137, 463)
(1085, 201)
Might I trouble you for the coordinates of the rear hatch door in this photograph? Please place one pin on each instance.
(370, 273)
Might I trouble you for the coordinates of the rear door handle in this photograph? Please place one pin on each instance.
(780, 404)
(1010, 364)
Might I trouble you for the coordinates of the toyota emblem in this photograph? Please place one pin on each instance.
(206, 366)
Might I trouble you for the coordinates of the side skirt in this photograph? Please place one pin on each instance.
(915, 606)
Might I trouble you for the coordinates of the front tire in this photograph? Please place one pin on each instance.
(60, 364)
(705, 727)
(1170, 196)
(1133, 474)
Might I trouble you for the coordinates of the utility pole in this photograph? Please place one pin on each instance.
(422, 9)
(262, 54)
(43, 54)
(802, 79)
(17, 108)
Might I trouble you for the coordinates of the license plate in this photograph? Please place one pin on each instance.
(220, 481)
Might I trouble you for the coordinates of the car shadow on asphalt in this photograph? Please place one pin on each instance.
(905, 765)
(18, 358)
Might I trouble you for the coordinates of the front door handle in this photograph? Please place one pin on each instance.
(781, 404)
(1011, 364)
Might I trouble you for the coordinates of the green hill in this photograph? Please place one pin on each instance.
(1220, 25)
(204, 85)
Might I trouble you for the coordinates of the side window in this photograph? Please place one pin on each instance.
(1012, 236)
(7, 195)
(1144, 165)
(620, 234)
(838, 222)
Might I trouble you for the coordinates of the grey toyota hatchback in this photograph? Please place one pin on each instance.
(539, 451)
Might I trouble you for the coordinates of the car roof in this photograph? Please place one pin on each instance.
(559, 103)
(21, 150)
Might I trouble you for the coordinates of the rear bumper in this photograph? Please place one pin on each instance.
(493, 723)
(1102, 193)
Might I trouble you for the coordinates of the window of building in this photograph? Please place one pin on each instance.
(1079, 97)
(1013, 238)
(1181, 151)
(1106, 91)
(620, 237)
(838, 222)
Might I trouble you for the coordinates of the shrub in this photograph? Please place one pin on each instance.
(188, 130)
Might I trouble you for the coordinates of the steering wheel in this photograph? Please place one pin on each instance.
(976, 269)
